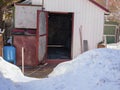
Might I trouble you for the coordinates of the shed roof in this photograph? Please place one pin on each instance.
(99, 5)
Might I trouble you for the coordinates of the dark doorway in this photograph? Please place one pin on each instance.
(59, 35)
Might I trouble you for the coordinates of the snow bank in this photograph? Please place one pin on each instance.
(94, 70)
(9, 70)
(12, 72)
(114, 46)
(6, 84)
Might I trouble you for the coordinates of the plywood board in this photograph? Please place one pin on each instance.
(26, 16)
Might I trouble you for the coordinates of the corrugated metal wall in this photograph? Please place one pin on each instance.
(87, 15)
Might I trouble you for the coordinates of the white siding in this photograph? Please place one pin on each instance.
(26, 16)
(62, 5)
(37, 2)
(87, 15)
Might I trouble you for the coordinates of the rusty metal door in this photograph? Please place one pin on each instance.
(41, 35)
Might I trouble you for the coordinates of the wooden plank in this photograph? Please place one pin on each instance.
(56, 46)
(80, 33)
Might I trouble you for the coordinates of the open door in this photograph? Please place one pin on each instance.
(41, 35)
(59, 36)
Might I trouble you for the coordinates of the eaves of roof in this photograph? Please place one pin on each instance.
(99, 5)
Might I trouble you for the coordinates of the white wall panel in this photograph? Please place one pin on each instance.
(62, 5)
(37, 2)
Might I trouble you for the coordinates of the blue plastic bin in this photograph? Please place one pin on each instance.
(9, 54)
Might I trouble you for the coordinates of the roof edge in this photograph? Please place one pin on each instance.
(100, 6)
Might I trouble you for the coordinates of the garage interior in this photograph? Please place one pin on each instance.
(59, 35)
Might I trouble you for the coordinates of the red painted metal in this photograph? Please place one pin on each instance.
(59, 12)
(27, 5)
(28, 42)
(23, 30)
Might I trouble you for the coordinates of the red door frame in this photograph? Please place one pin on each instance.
(37, 37)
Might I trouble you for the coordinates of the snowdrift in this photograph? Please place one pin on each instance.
(94, 70)
(114, 45)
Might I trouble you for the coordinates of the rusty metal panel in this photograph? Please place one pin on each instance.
(29, 43)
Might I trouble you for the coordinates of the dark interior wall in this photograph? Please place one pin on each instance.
(60, 29)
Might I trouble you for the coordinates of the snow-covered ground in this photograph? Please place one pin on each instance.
(93, 70)
(114, 45)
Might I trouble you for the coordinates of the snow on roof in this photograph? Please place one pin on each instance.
(93, 70)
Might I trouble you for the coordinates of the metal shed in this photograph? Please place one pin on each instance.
(70, 26)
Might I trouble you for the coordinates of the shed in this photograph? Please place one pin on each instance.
(64, 28)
